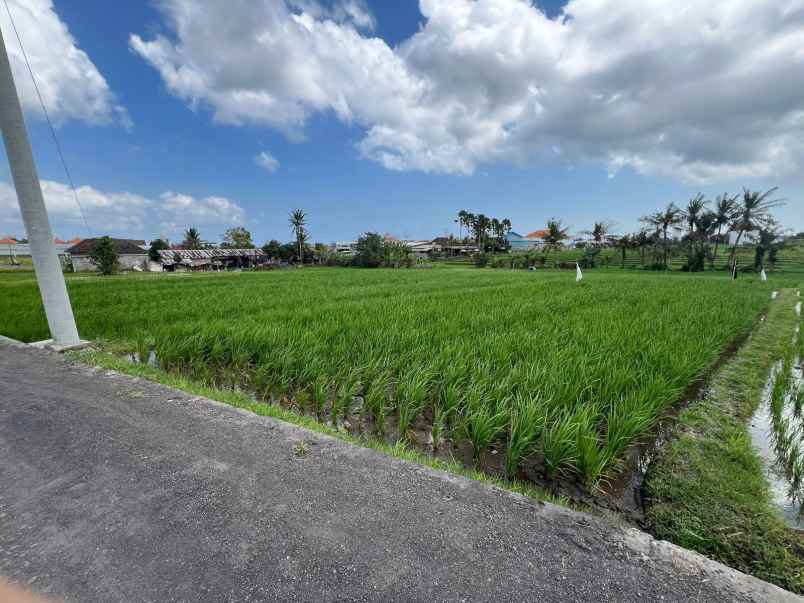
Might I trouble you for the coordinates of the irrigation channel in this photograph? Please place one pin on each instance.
(777, 432)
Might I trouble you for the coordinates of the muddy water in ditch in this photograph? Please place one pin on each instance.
(786, 496)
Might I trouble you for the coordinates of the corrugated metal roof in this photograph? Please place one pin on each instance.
(168, 255)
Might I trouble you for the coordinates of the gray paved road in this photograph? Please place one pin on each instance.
(116, 489)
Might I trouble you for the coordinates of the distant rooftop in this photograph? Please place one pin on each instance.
(121, 247)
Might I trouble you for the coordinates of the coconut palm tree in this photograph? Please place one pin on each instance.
(463, 220)
(599, 231)
(624, 243)
(725, 210)
(695, 207)
(480, 226)
(752, 215)
(769, 238)
(555, 237)
(641, 240)
(662, 221)
(298, 221)
(192, 239)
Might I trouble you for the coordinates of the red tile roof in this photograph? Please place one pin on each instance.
(8, 242)
(537, 234)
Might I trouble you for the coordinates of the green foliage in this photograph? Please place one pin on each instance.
(192, 239)
(370, 251)
(157, 245)
(590, 257)
(237, 238)
(526, 423)
(105, 257)
(298, 224)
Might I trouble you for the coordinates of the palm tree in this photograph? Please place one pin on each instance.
(694, 209)
(641, 240)
(752, 215)
(599, 231)
(480, 225)
(662, 221)
(555, 237)
(463, 220)
(624, 243)
(298, 221)
(769, 237)
(725, 209)
(192, 239)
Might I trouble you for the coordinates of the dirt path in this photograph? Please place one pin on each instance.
(117, 489)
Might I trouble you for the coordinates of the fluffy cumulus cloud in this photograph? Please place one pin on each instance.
(701, 91)
(123, 213)
(71, 85)
(267, 161)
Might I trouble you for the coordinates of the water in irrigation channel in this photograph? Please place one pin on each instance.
(776, 448)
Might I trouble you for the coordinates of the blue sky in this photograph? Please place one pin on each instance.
(159, 155)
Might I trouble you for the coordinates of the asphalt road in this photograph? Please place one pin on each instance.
(117, 489)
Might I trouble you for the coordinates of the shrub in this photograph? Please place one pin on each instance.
(105, 257)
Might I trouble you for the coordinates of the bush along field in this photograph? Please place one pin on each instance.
(518, 373)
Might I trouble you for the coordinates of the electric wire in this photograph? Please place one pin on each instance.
(49, 122)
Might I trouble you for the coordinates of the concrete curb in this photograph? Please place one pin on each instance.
(7, 341)
(642, 544)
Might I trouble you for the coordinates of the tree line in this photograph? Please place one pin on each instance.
(705, 227)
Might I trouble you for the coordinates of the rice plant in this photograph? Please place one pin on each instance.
(559, 445)
(412, 394)
(573, 375)
(482, 421)
(526, 423)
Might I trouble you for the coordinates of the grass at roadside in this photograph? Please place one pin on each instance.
(707, 490)
(241, 399)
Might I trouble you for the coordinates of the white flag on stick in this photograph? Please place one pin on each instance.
(763, 276)
(578, 273)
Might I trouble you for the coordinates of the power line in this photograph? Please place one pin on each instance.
(49, 123)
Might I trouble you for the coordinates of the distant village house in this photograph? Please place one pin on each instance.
(131, 254)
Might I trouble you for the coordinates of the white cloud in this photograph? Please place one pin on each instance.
(124, 213)
(71, 85)
(700, 91)
(267, 162)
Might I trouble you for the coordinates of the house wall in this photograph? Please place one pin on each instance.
(82, 263)
(523, 244)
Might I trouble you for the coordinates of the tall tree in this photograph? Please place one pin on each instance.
(752, 214)
(599, 231)
(192, 239)
(663, 221)
(237, 238)
(370, 251)
(769, 238)
(298, 222)
(703, 228)
(725, 212)
(624, 243)
(273, 249)
(695, 207)
(463, 221)
(641, 240)
(480, 226)
(555, 236)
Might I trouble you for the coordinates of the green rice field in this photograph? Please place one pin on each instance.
(562, 376)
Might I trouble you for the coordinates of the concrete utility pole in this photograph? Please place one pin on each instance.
(34, 214)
